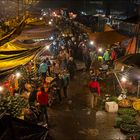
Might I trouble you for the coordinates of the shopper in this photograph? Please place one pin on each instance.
(113, 56)
(58, 86)
(32, 96)
(94, 90)
(106, 56)
(42, 99)
(43, 69)
(48, 65)
(71, 67)
(65, 83)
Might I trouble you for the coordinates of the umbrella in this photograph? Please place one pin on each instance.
(131, 64)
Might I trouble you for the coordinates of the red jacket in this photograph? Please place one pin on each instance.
(42, 98)
(94, 84)
(113, 55)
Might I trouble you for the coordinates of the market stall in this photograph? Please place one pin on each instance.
(127, 103)
(128, 68)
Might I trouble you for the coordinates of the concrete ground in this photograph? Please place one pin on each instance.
(72, 119)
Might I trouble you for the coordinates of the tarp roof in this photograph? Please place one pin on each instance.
(10, 47)
(129, 66)
(16, 52)
(130, 60)
(16, 56)
(109, 37)
(35, 33)
(108, 28)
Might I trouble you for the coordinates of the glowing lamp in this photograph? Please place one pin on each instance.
(123, 79)
(1, 88)
(47, 47)
(91, 43)
(18, 74)
(100, 49)
(41, 18)
(51, 38)
(50, 22)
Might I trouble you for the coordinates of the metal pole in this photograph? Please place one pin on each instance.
(17, 9)
(123, 91)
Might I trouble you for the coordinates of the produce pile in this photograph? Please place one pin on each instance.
(126, 121)
(124, 103)
(12, 105)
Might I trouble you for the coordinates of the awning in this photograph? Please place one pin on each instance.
(16, 53)
(109, 37)
(131, 60)
(108, 28)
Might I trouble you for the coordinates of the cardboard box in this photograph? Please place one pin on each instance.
(111, 106)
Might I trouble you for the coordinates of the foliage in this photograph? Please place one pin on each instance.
(129, 128)
(113, 98)
(124, 119)
(118, 121)
(128, 119)
(12, 105)
(128, 111)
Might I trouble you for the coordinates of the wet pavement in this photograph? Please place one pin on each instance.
(72, 119)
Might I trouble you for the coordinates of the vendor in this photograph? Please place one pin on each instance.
(32, 96)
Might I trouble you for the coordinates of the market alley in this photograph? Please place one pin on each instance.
(74, 120)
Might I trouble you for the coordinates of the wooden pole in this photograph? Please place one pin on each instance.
(17, 9)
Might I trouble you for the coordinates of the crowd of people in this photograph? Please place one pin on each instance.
(61, 66)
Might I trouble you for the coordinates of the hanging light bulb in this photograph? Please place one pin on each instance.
(91, 42)
(123, 79)
(100, 49)
(50, 22)
(18, 74)
(1, 88)
(47, 47)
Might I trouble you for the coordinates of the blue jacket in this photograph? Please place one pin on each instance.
(43, 68)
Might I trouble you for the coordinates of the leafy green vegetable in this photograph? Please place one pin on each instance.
(128, 119)
(129, 128)
(127, 111)
(113, 98)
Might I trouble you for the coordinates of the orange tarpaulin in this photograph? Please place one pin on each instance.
(109, 37)
(131, 49)
(107, 28)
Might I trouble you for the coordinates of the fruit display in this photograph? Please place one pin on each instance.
(129, 128)
(133, 99)
(127, 111)
(136, 105)
(124, 103)
(12, 105)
